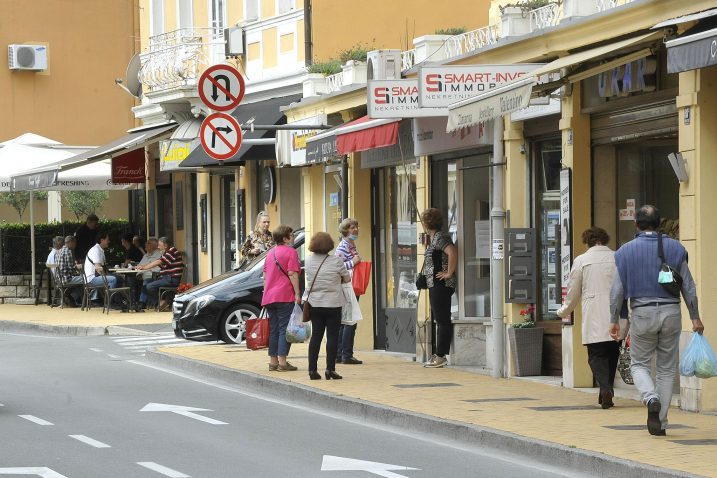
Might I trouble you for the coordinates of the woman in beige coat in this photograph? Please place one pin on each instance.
(590, 281)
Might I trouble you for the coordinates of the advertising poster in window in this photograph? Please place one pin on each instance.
(565, 237)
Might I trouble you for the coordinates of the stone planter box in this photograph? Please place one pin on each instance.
(314, 84)
(526, 347)
(578, 8)
(354, 72)
(514, 21)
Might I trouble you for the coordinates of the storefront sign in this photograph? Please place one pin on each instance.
(394, 155)
(291, 145)
(128, 168)
(634, 77)
(430, 137)
(322, 149)
(536, 110)
(692, 51)
(174, 151)
(565, 235)
(495, 104)
(441, 86)
(397, 99)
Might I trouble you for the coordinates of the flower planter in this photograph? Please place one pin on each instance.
(526, 347)
(354, 72)
(514, 21)
(314, 84)
(578, 8)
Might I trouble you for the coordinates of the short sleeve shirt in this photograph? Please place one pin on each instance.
(440, 241)
(278, 287)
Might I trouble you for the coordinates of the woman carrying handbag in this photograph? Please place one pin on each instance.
(323, 293)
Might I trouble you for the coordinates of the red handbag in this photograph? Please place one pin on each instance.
(257, 331)
(361, 276)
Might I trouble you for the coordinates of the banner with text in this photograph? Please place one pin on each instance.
(397, 99)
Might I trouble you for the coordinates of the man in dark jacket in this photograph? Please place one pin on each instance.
(86, 236)
(656, 322)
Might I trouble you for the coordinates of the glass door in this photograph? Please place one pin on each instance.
(332, 199)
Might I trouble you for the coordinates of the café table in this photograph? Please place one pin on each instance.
(130, 278)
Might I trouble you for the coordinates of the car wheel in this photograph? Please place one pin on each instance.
(232, 325)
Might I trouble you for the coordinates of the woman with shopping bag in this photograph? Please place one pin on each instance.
(281, 292)
(348, 253)
(322, 291)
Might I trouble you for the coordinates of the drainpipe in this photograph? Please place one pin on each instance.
(344, 187)
(308, 48)
(497, 217)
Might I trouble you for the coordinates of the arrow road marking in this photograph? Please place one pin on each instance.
(339, 463)
(162, 469)
(90, 441)
(182, 410)
(38, 471)
(34, 419)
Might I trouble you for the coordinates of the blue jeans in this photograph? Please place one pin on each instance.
(345, 346)
(279, 315)
(150, 289)
(97, 280)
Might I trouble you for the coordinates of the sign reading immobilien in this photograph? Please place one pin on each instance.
(440, 86)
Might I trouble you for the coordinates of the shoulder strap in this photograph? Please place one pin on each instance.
(660, 251)
(315, 276)
(279, 265)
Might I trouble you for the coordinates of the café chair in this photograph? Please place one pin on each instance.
(110, 292)
(88, 289)
(61, 290)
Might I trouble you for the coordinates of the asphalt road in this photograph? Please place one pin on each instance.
(73, 407)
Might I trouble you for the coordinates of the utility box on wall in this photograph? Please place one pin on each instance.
(520, 273)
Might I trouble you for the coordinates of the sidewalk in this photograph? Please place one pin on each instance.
(74, 321)
(570, 421)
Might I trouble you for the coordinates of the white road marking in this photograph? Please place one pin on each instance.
(339, 463)
(96, 350)
(162, 469)
(136, 345)
(144, 337)
(182, 410)
(90, 441)
(113, 356)
(31, 470)
(34, 419)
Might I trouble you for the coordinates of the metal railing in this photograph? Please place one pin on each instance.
(334, 82)
(179, 57)
(472, 41)
(602, 5)
(544, 17)
(408, 59)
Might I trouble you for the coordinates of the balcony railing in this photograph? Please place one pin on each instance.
(408, 59)
(472, 41)
(603, 5)
(334, 82)
(544, 17)
(177, 58)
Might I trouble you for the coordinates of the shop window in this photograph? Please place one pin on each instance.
(332, 199)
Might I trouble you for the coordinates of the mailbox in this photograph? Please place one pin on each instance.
(520, 275)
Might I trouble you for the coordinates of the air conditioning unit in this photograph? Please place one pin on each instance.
(234, 42)
(384, 64)
(27, 57)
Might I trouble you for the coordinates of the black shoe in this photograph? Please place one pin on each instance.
(139, 307)
(314, 375)
(338, 360)
(654, 426)
(331, 374)
(606, 399)
(351, 361)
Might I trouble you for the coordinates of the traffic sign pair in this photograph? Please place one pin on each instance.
(221, 88)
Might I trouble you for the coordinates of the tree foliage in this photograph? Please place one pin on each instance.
(20, 200)
(83, 203)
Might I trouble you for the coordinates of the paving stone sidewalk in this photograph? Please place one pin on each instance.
(534, 410)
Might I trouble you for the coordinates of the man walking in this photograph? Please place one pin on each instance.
(656, 321)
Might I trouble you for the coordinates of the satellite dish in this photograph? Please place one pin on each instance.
(133, 84)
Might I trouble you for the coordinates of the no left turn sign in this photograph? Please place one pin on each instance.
(220, 135)
(221, 87)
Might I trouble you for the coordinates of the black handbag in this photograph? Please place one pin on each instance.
(669, 278)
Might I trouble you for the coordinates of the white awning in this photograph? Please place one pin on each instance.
(516, 95)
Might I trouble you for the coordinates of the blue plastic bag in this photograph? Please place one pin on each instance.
(297, 331)
(698, 359)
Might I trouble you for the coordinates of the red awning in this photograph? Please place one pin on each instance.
(366, 133)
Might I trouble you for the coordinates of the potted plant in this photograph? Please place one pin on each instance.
(515, 16)
(526, 344)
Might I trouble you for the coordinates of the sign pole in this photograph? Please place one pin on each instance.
(497, 217)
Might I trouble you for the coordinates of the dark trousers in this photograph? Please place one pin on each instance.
(440, 298)
(603, 358)
(347, 334)
(324, 319)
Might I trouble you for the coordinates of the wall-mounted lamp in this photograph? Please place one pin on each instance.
(679, 166)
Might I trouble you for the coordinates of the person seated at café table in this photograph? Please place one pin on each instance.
(67, 270)
(171, 269)
(132, 253)
(57, 243)
(94, 262)
(153, 254)
(139, 243)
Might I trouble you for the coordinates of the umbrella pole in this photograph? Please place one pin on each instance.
(32, 241)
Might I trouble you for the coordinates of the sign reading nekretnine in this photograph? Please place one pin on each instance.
(441, 86)
(397, 99)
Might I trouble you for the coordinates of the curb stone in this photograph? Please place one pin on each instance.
(548, 453)
(62, 330)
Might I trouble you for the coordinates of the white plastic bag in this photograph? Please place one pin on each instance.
(351, 312)
(297, 331)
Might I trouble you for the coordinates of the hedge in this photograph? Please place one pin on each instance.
(15, 242)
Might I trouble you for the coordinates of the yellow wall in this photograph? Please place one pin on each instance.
(268, 8)
(387, 24)
(300, 40)
(268, 42)
(203, 187)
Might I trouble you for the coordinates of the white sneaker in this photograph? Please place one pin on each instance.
(436, 362)
(430, 361)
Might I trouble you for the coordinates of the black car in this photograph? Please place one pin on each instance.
(218, 308)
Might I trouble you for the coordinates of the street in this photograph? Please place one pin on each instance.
(89, 407)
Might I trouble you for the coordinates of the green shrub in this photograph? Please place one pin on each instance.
(326, 68)
(357, 52)
(451, 31)
(15, 242)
